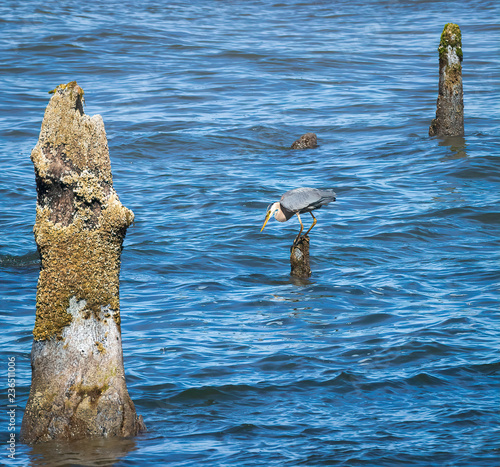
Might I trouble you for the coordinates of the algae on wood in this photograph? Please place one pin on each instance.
(449, 119)
(78, 387)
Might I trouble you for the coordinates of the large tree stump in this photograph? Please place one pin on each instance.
(449, 119)
(299, 258)
(78, 385)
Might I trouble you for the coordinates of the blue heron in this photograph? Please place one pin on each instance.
(297, 202)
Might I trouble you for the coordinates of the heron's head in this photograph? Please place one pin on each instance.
(271, 209)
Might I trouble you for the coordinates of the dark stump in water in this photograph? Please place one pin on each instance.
(299, 258)
(307, 141)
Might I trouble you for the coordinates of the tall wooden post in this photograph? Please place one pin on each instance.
(449, 119)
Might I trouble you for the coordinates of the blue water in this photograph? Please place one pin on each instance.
(389, 354)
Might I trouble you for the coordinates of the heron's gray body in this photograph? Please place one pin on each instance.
(296, 202)
(301, 200)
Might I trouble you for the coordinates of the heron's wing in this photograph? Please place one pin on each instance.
(306, 199)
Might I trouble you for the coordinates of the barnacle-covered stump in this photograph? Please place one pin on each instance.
(307, 141)
(78, 385)
(449, 119)
(299, 258)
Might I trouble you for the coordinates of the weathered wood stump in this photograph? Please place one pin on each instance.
(449, 119)
(78, 385)
(307, 141)
(299, 258)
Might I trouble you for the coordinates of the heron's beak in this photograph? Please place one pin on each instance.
(268, 216)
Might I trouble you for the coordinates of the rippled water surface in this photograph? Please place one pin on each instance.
(389, 354)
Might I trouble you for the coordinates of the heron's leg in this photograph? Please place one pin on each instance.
(313, 224)
(300, 231)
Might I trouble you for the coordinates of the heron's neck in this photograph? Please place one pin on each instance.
(279, 215)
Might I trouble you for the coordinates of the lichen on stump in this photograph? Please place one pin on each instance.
(78, 385)
(449, 119)
(299, 258)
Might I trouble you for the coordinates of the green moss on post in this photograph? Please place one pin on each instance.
(449, 119)
(450, 37)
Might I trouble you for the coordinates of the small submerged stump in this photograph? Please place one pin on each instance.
(449, 119)
(299, 258)
(78, 385)
(307, 141)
